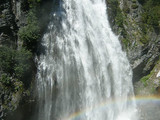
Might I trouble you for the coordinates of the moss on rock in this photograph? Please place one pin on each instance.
(148, 84)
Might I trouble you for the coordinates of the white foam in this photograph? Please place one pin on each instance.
(158, 74)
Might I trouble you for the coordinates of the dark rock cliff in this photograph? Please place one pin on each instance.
(16, 89)
(8, 26)
(8, 37)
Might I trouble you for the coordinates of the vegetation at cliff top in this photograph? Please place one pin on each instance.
(150, 19)
(151, 15)
(30, 33)
(119, 19)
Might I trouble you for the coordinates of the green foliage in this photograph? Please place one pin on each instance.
(5, 79)
(15, 63)
(114, 7)
(112, 1)
(134, 6)
(33, 3)
(145, 79)
(150, 2)
(119, 19)
(134, 1)
(22, 63)
(117, 12)
(2, 16)
(126, 9)
(10, 82)
(30, 33)
(7, 59)
(151, 15)
(126, 42)
(144, 39)
(18, 85)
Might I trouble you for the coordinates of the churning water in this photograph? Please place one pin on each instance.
(83, 74)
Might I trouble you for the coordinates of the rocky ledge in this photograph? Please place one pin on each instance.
(140, 38)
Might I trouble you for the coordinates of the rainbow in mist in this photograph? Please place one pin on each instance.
(110, 102)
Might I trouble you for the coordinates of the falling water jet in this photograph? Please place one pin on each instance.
(88, 65)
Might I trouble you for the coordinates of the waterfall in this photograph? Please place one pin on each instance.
(83, 74)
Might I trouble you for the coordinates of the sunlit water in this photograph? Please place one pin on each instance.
(83, 73)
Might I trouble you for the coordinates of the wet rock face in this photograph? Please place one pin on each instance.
(143, 50)
(20, 9)
(12, 16)
(8, 26)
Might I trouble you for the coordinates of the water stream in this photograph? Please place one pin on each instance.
(83, 73)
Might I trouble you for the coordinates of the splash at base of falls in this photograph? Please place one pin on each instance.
(128, 114)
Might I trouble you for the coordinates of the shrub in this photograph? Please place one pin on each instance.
(15, 63)
(134, 1)
(18, 85)
(151, 14)
(5, 79)
(126, 42)
(22, 63)
(33, 3)
(30, 33)
(7, 59)
(145, 78)
(134, 6)
(114, 5)
(126, 9)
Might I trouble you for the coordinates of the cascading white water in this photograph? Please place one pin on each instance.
(83, 74)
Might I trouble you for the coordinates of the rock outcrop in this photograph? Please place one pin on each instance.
(16, 89)
(8, 27)
(8, 37)
(142, 47)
